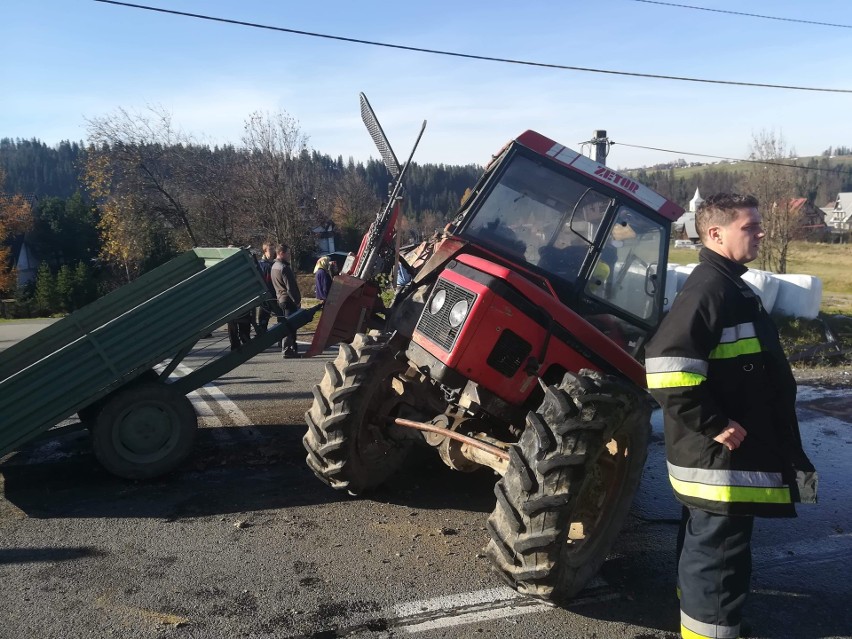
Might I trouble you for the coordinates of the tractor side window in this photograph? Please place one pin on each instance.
(625, 274)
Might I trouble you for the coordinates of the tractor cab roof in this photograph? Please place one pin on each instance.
(600, 173)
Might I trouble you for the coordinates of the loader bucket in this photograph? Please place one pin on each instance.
(348, 310)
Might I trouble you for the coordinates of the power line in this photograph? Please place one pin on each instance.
(749, 15)
(470, 56)
(721, 157)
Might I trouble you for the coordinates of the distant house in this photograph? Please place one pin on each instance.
(684, 227)
(324, 237)
(840, 217)
(812, 223)
(23, 258)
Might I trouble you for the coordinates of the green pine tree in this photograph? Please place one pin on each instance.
(45, 291)
(85, 289)
(65, 288)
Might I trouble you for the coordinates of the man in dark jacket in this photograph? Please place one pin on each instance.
(287, 293)
(264, 264)
(733, 448)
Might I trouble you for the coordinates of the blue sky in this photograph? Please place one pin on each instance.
(64, 61)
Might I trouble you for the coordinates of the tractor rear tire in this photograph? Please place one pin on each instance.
(569, 485)
(144, 431)
(348, 442)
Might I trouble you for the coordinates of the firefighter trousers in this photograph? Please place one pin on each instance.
(714, 571)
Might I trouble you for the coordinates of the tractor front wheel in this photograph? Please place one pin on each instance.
(349, 443)
(569, 486)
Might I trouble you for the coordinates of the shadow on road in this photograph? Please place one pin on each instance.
(252, 468)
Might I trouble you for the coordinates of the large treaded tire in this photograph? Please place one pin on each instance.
(348, 444)
(144, 431)
(569, 486)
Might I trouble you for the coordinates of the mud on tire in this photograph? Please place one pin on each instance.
(569, 486)
(348, 444)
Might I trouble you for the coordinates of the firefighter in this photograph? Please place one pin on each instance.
(733, 448)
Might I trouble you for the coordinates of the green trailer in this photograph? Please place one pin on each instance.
(99, 362)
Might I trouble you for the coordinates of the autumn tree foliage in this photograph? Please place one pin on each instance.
(15, 220)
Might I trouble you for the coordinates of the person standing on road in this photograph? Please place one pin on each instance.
(264, 264)
(322, 275)
(239, 328)
(288, 295)
(733, 447)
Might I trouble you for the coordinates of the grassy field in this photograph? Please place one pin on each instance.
(831, 263)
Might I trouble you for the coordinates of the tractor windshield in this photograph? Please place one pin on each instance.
(541, 217)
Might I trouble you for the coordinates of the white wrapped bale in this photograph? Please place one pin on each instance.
(765, 284)
(798, 295)
(671, 286)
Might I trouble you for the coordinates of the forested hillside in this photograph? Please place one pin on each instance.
(819, 179)
(32, 167)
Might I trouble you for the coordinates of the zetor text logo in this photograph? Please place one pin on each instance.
(619, 180)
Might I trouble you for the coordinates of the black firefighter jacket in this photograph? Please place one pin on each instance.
(717, 356)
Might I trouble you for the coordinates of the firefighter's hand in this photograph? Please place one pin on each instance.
(732, 436)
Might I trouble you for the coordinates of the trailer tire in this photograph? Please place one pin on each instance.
(569, 485)
(347, 448)
(144, 431)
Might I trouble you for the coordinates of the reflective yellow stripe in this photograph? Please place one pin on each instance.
(735, 349)
(686, 633)
(672, 380)
(727, 494)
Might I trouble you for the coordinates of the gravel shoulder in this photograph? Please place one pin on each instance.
(828, 376)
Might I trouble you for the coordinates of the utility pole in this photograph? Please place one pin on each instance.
(601, 143)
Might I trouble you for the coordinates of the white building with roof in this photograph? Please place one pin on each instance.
(840, 217)
(686, 224)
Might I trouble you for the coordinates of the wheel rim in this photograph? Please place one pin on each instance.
(146, 432)
(372, 443)
(602, 490)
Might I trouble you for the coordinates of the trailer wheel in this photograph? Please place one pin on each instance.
(144, 431)
(569, 486)
(348, 443)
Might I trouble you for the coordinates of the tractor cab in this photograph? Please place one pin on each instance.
(595, 244)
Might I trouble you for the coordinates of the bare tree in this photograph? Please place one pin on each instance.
(149, 158)
(354, 206)
(775, 188)
(280, 187)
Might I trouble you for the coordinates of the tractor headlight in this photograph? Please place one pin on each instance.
(458, 312)
(437, 302)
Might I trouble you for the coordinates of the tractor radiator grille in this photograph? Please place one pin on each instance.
(509, 353)
(437, 327)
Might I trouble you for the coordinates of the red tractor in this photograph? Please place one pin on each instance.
(517, 345)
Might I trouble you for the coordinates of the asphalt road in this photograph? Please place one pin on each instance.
(243, 541)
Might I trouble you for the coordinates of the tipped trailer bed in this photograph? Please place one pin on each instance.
(99, 361)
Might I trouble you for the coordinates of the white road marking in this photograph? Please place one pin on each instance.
(464, 608)
(231, 409)
(480, 605)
